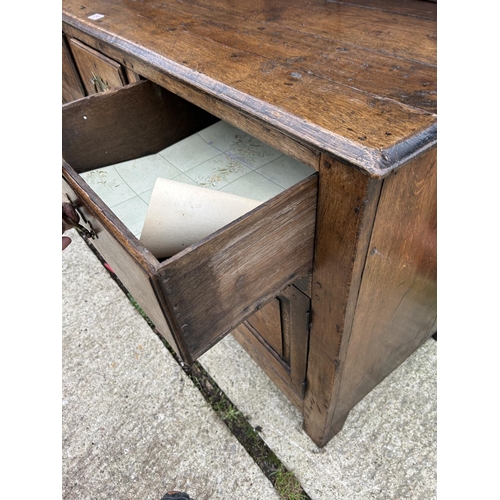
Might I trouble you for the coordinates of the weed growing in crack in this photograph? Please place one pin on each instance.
(287, 485)
(283, 480)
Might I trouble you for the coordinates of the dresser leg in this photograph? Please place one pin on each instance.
(335, 428)
(347, 203)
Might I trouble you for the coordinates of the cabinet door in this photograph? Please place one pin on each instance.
(276, 337)
(98, 72)
(72, 87)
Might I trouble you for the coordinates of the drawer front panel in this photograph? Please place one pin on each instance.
(99, 73)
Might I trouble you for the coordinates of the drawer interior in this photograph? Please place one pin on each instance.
(116, 144)
(219, 157)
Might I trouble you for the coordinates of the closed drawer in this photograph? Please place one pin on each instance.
(98, 72)
(199, 295)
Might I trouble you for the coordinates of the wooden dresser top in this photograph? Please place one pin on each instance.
(354, 79)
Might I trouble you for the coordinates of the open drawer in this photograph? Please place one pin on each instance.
(200, 294)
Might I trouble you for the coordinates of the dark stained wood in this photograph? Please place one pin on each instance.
(378, 30)
(401, 264)
(346, 210)
(304, 285)
(299, 316)
(132, 76)
(409, 7)
(127, 123)
(381, 304)
(92, 64)
(214, 285)
(347, 87)
(202, 293)
(351, 65)
(294, 147)
(281, 82)
(286, 325)
(346, 110)
(268, 319)
(72, 87)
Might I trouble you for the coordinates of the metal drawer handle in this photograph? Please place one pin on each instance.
(82, 231)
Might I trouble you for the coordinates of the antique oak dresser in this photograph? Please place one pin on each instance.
(329, 285)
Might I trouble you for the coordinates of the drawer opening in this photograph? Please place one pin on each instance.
(218, 158)
(200, 294)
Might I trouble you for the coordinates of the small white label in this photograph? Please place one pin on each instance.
(95, 17)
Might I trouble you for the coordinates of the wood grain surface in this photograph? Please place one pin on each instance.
(214, 285)
(126, 123)
(346, 211)
(347, 87)
(397, 303)
(92, 64)
(267, 320)
(373, 288)
(72, 86)
(356, 81)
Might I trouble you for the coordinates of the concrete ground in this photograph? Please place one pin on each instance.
(135, 426)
